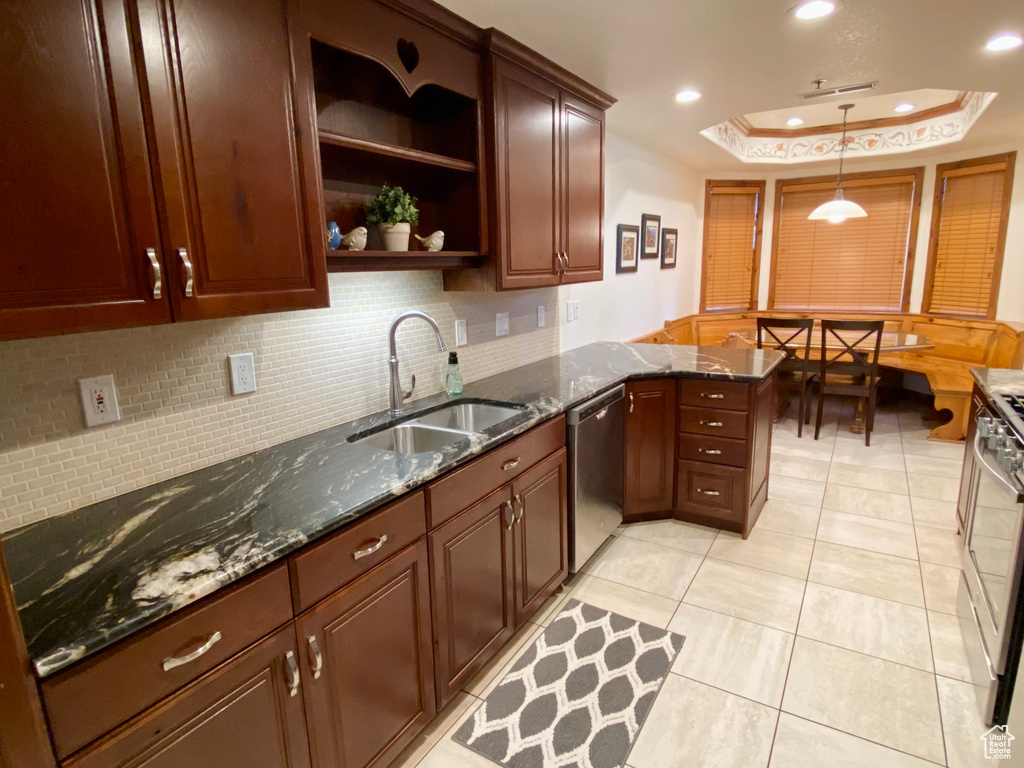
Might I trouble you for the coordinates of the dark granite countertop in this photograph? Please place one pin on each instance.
(1000, 381)
(89, 578)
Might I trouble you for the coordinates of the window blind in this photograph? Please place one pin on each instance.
(731, 246)
(968, 235)
(857, 265)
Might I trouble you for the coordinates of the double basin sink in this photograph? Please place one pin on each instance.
(440, 428)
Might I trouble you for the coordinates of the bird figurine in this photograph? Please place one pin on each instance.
(355, 240)
(432, 242)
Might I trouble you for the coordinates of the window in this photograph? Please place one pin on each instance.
(965, 253)
(860, 265)
(733, 211)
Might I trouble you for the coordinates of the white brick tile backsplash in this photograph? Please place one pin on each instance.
(314, 368)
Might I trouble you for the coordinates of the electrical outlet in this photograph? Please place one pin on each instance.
(575, 310)
(568, 312)
(501, 324)
(460, 333)
(99, 400)
(243, 373)
(540, 317)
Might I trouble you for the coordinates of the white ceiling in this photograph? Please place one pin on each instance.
(752, 56)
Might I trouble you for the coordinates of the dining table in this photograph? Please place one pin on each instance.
(892, 341)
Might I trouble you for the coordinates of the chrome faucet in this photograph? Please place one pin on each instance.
(397, 395)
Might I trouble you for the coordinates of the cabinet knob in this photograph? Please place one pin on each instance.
(318, 660)
(189, 275)
(293, 673)
(157, 280)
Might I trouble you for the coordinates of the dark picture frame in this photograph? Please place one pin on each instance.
(669, 248)
(627, 248)
(650, 231)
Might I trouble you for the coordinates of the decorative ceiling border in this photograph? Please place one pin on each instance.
(931, 131)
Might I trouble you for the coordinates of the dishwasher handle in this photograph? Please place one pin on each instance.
(594, 406)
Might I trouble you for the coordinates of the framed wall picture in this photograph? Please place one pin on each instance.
(669, 245)
(627, 248)
(650, 229)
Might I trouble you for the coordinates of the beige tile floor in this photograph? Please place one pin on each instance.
(827, 638)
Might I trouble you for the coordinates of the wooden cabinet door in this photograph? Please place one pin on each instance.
(540, 533)
(78, 215)
(243, 714)
(650, 448)
(471, 586)
(527, 199)
(368, 668)
(236, 158)
(582, 191)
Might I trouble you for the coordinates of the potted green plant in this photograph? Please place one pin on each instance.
(393, 211)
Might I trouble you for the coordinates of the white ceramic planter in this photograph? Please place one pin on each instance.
(395, 238)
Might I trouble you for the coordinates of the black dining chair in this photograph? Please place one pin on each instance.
(849, 365)
(792, 337)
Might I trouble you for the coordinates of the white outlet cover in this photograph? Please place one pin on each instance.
(99, 400)
(575, 310)
(501, 324)
(461, 338)
(540, 317)
(243, 373)
(568, 312)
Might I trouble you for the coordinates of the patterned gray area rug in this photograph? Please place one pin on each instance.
(578, 697)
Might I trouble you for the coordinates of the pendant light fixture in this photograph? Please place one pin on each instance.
(839, 209)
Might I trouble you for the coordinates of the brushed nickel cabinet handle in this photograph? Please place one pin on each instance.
(522, 507)
(712, 396)
(511, 515)
(710, 423)
(318, 659)
(708, 493)
(361, 553)
(565, 255)
(293, 672)
(630, 402)
(511, 463)
(189, 275)
(154, 265)
(176, 661)
(558, 263)
(709, 451)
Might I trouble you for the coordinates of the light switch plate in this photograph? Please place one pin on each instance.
(501, 324)
(460, 333)
(243, 373)
(568, 312)
(540, 317)
(99, 400)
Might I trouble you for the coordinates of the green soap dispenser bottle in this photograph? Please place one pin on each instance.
(454, 381)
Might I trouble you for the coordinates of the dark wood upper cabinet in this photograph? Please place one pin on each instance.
(472, 589)
(650, 449)
(368, 668)
(540, 534)
(582, 191)
(243, 714)
(236, 158)
(79, 220)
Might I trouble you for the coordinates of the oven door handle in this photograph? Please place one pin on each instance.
(995, 471)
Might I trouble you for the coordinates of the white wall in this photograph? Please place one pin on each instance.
(1011, 295)
(623, 306)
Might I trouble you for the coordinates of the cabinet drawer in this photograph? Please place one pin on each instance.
(711, 490)
(328, 566)
(464, 487)
(718, 450)
(712, 421)
(730, 395)
(91, 698)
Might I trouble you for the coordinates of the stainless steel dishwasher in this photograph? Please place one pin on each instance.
(596, 431)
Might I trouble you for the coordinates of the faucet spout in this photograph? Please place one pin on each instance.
(397, 395)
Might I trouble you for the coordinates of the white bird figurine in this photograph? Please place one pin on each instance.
(432, 242)
(355, 240)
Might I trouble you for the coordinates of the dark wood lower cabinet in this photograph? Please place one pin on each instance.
(472, 589)
(650, 449)
(240, 715)
(368, 668)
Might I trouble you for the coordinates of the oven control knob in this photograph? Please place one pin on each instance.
(1010, 458)
(984, 426)
(997, 435)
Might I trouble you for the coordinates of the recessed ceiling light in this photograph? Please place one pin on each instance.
(1004, 42)
(816, 9)
(687, 95)
(905, 108)
(793, 122)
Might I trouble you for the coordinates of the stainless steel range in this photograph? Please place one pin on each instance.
(989, 595)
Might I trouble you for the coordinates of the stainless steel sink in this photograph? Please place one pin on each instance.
(411, 438)
(468, 417)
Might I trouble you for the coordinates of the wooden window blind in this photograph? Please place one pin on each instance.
(965, 253)
(732, 245)
(858, 265)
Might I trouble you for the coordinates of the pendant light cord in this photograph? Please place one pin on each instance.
(842, 149)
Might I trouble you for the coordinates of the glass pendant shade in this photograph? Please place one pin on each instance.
(838, 209)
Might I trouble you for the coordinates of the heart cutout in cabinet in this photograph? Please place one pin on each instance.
(409, 55)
